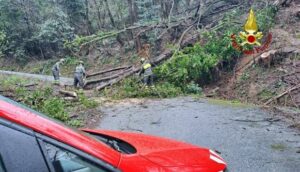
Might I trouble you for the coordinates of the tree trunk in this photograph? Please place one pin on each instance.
(87, 18)
(98, 14)
(132, 11)
(166, 6)
(110, 14)
(133, 18)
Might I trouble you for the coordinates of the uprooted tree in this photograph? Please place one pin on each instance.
(180, 28)
(97, 29)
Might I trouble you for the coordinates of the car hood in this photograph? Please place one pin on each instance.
(166, 152)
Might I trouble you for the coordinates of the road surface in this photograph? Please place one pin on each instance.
(249, 139)
(47, 78)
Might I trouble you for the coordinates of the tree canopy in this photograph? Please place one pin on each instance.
(39, 28)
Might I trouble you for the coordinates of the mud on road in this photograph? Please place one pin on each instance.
(249, 139)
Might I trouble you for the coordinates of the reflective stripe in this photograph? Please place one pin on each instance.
(146, 66)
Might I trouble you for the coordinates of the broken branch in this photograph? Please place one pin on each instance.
(282, 94)
(68, 93)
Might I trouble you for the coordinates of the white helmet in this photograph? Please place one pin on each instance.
(62, 60)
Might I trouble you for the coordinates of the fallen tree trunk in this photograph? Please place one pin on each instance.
(141, 29)
(68, 93)
(183, 42)
(28, 85)
(103, 79)
(168, 53)
(282, 94)
(164, 56)
(112, 82)
(107, 71)
(130, 70)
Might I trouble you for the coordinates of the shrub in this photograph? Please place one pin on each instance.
(87, 103)
(70, 60)
(133, 88)
(266, 18)
(193, 88)
(75, 123)
(55, 108)
(166, 90)
(42, 100)
(12, 81)
(191, 64)
(194, 65)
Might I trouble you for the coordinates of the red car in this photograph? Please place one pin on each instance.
(31, 142)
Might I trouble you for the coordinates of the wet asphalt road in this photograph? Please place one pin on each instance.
(249, 139)
(45, 78)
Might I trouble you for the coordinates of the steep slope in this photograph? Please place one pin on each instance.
(273, 79)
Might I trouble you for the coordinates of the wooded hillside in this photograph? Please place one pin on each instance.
(43, 29)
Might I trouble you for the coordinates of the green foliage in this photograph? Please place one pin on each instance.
(87, 103)
(266, 94)
(32, 28)
(191, 64)
(193, 88)
(146, 15)
(55, 108)
(220, 45)
(2, 42)
(245, 76)
(75, 9)
(71, 60)
(75, 44)
(12, 81)
(36, 98)
(165, 90)
(132, 88)
(231, 103)
(55, 31)
(266, 18)
(75, 123)
(20, 91)
(195, 64)
(17, 28)
(134, 58)
(43, 100)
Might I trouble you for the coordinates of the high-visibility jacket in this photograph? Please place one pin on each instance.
(147, 68)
